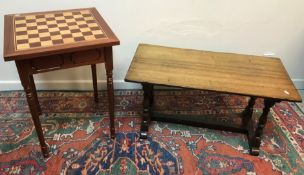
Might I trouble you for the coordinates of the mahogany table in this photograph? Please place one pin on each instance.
(48, 41)
(247, 75)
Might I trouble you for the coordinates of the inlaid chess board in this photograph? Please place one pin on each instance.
(55, 31)
(42, 30)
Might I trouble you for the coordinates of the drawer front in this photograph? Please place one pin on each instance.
(87, 56)
(67, 60)
(47, 62)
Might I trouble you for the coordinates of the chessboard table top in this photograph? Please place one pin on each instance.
(215, 71)
(35, 34)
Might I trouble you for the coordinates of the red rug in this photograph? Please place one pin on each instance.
(77, 132)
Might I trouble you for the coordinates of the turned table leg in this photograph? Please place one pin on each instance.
(27, 83)
(255, 136)
(110, 89)
(247, 113)
(148, 101)
(94, 77)
(34, 91)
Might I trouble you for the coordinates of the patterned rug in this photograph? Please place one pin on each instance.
(77, 132)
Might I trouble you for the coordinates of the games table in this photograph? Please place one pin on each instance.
(48, 41)
(247, 75)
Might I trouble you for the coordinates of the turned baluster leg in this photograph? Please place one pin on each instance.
(110, 89)
(247, 113)
(148, 101)
(94, 77)
(255, 138)
(247, 120)
(26, 81)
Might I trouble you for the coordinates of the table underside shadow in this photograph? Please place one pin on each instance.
(247, 125)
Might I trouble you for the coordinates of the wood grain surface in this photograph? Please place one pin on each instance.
(222, 72)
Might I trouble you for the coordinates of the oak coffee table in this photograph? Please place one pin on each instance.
(48, 41)
(247, 75)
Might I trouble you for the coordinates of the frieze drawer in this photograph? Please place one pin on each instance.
(87, 56)
(47, 63)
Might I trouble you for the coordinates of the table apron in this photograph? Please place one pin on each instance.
(63, 61)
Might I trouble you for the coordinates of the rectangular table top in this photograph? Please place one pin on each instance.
(222, 72)
(35, 34)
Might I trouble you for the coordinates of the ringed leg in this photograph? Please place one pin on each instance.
(25, 77)
(110, 88)
(247, 113)
(256, 136)
(148, 100)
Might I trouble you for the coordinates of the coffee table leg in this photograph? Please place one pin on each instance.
(25, 77)
(255, 137)
(94, 77)
(148, 101)
(109, 69)
(247, 113)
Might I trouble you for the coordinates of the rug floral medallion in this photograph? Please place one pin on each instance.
(77, 132)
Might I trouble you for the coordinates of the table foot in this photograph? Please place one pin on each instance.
(254, 151)
(112, 136)
(254, 143)
(143, 135)
(45, 152)
(144, 130)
